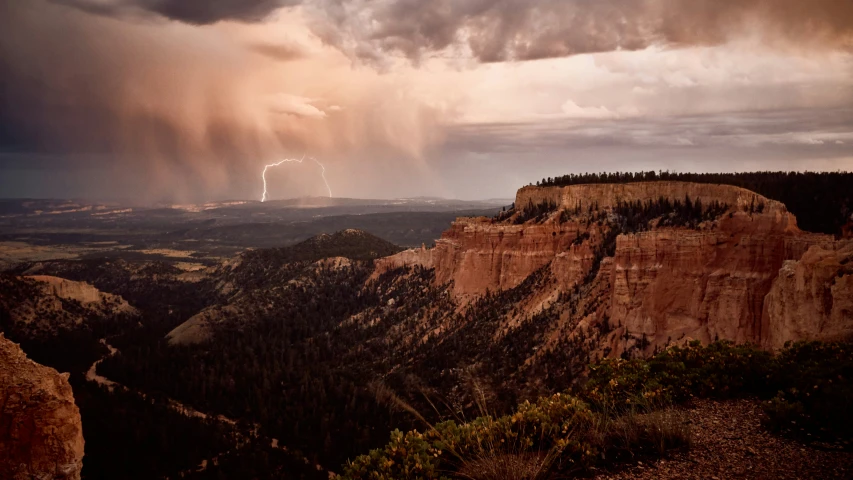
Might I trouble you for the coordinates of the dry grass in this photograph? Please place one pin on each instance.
(656, 432)
(653, 433)
(509, 466)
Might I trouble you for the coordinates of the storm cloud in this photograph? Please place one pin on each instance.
(500, 30)
(184, 99)
(196, 12)
(189, 110)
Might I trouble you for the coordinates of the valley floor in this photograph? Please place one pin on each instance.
(728, 442)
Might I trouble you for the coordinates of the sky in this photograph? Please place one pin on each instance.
(187, 100)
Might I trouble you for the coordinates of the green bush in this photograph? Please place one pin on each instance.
(719, 370)
(622, 411)
(807, 386)
(548, 428)
(814, 390)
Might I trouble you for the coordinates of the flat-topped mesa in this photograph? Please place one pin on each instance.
(479, 254)
(610, 194)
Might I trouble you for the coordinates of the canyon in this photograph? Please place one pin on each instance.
(298, 343)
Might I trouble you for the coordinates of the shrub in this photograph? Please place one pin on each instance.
(719, 370)
(807, 386)
(557, 434)
(623, 411)
(814, 390)
(543, 431)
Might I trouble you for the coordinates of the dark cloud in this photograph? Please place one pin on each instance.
(138, 99)
(499, 30)
(197, 12)
(210, 11)
(180, 111)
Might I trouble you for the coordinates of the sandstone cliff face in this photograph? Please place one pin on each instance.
(41, 436)
(673, 285)
(811, 298)
(478, 254)
(662, 286)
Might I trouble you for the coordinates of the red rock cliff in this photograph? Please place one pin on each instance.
(41, 436)
(671, 285)
(664, 285)
(811, 298)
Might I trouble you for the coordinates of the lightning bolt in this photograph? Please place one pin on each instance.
(293, 160)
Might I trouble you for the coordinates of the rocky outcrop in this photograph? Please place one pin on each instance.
(416, 256)
(41, 436)
(675, 285)
(811, 299)
(43, 304)
(478, 255)
(80, 291)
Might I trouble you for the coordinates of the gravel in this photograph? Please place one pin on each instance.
(728, 441)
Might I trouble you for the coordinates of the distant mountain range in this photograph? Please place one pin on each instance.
(32, 206)
(202, 234)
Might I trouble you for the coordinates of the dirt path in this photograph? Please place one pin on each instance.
(728, 442)
(92, 373)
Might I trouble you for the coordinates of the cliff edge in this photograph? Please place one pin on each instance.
(41, 434)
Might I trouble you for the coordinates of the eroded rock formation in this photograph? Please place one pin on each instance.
(80, 291)
(41, 436)
(811, 298)
(744, 276)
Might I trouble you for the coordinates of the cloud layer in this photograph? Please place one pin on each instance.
(184, 99)
(499, 30)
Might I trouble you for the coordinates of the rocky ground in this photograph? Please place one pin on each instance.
(728, 442)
